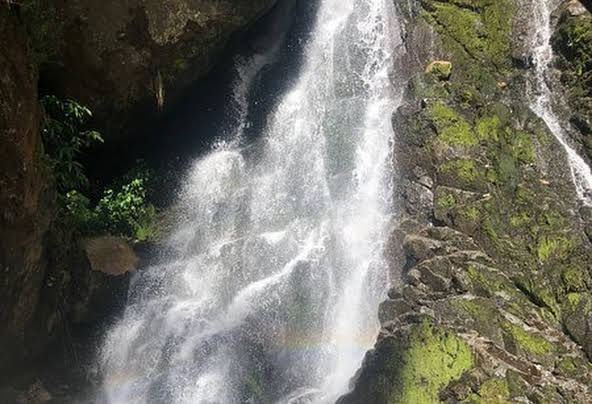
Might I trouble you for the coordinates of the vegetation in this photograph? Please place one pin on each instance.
(122, 211)
(65, 139)
(123, 208)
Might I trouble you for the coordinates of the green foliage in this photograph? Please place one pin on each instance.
(77, 212)
(125, 211)
(65, 139)
(123, 208)
(122, 211)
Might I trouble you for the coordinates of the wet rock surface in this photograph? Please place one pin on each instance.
(573, 43)
(25, 192)
(494, 301)
(125, 60)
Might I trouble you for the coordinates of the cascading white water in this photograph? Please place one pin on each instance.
(542, 97)
(280, 270)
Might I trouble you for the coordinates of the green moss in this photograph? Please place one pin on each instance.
(523, 148)
(486, 281)
(433, 359)
(524, 195)
(574, 40)
(520, 219)
(445, 201)
(462, 24)
(440, 69)
(490, 230)
(470, 213)
(549, 316)
(554, 247)
(488, 128)
(567, 365)
(483, 313)
(477, 309)
(526, 341)
(483, 28)
(465, 169)
(516, 384)
(507, 170)
(494, 391)
(546, 295)
(497, 17)
(452, 129)
(554, 220)
(575, 279)
(537, 288)
(574, 299)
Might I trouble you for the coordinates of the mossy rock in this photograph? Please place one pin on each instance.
(440, 69)
(573, 43)
(432, 359)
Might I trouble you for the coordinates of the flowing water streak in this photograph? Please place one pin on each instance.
(542, 100)
(273, 292)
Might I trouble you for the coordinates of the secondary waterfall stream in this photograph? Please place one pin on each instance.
(278, 271)
(542, 97)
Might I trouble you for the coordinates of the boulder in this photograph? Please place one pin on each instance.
(440, 68)
(103, 285)
(575, 8)
(110, 255)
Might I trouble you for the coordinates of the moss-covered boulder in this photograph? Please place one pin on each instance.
(440, 68)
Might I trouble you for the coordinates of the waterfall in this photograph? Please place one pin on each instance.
(542, 97)
(272, 293)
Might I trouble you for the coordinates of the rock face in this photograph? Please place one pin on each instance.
(25, 198)
(494, 303)
(119, 58)
(123, 58)
(573, 43)
(104, 287)
(110, 255)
